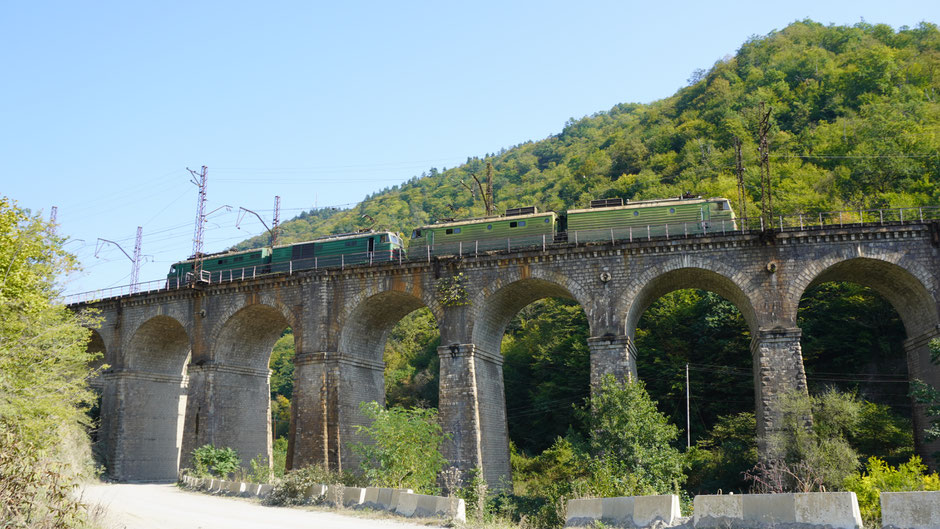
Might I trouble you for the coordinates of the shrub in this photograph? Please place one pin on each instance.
(881, 477)
(812, 453)
(211, 461)
(405, 451)
(294, 487)
(631, 441)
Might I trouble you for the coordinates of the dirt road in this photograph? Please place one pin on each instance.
(149, 506)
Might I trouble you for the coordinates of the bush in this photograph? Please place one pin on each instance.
(631, 441)
(881, 477)
(718, 461)
(812, 453)
(294, 487)
(210, 461)
(406, 447)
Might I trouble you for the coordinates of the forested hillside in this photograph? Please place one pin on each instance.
(855, 124)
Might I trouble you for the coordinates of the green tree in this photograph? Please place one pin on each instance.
(44, 369)
(881, 477)
(719, 460)
(404, 449)
(211, 461)
(930, 397)
(812, 451)
(631, 439)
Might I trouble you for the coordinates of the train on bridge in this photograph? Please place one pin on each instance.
(604, 220)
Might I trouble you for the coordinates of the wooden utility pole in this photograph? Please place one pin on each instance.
(763, 147)
(739, 171)
(487, 191)
(490, 207)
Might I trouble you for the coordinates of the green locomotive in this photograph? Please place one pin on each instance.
(330, 251)
(605, 220)
(611, 219)
(518, 228)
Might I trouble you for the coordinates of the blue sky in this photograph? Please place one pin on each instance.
(103, 105)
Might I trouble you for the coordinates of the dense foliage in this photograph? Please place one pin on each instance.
(855, 124)
(881, 477)
(44, 373)
(403, 449)
(219, 462)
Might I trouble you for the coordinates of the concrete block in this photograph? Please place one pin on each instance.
(421, 505)
(625, 511)
(647, 509)
(618, 511)
(838, 509)
(236, 488)
(353, 496)
(717, 510)
(335, 494)
(265, 490)
(911, 510)
(585, 508)
(382, 498)
(315, 491)
(407, 503)
(768, 508)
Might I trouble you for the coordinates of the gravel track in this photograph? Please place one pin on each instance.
(165, 506)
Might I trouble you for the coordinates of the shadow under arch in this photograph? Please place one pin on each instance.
(148, 438)
(239, 389)
(686, 278)
(899, 285)
(360, 348)
(493, 310)
(366, 327)
(497, 309)
(905, 291)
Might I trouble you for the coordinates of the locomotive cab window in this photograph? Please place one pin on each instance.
(517, 224)
(221, 261)
(383, 238)
(451, 231)
(416, 234)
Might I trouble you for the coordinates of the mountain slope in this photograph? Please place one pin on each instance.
(856, 123)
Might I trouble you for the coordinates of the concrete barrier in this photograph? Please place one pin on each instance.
(627, 511)
(838, 510)
(235, 488)
(353, 496)
(315, 492)
(911, 510)
(421, 505)
(382, 498)
(265, 490)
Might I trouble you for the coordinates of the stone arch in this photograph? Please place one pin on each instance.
(911, 290)
(907, 285)
(97, 346)
(473, 401)
(246, 336)
(236, 381)
(365, 327)
(683, 273)
(370, 318)
(495, 305)
(152, 388)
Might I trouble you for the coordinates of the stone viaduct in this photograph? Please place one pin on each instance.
(190, 366)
